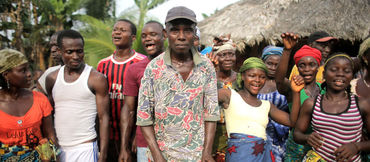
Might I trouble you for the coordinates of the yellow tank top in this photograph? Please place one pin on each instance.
(243, 118)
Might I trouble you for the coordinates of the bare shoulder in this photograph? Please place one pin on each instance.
(308, 104)
(97, 81)
(52, 75)
(96, 76)
(364, 105)
(224, 92)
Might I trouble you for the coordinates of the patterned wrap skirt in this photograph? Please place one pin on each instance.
(242, 147)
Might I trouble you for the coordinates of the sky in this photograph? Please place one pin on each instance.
(198, 6)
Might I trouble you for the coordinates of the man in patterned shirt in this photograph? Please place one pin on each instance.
(178, 107)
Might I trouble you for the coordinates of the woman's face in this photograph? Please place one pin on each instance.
(226, 60)
(254, 80)
(19, 76)
(307, 67)
(338, 73)
(272, 62)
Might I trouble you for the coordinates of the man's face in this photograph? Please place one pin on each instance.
(72, 52)
(57, 58)
(152, 39)
(122, 34)
(323, 47)
(180, 35)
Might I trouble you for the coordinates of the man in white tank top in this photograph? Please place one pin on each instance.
(78, 93)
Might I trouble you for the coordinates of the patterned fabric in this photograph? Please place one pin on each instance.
(242, 147)
(46, 150)
(115, 72)
(176, 108)
(276, 133)
(312, 156)
(337, 129)
(10, 58)
(294, 152)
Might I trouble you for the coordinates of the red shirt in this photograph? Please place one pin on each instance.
(25, 130)
(131, 88)
(115, 72)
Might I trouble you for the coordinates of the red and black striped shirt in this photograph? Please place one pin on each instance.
(115, 72)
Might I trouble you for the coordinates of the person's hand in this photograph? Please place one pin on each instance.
(297, 83)
(134, 146)
(315, 140)
(346, 152)
(289, 40)
(213, 57)
(125, 155)
(207, 157)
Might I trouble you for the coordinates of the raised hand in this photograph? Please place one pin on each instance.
(315, 140)
(297, 83)
(289, 40)
(213, 57)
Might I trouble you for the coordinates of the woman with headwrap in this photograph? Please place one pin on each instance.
(361, 86)
(26, 125)
(225, 79)
(247, 141)
(337, 117)
(307, 59)
(276, 132)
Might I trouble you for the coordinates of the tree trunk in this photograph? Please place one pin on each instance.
(19, 28)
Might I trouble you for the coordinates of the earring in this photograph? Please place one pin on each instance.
(7, 82)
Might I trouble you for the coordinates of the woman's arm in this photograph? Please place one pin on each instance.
(282, 83)
(303, 122)
(224, 97)
(297, 84)
(48, 129)
(282, 117)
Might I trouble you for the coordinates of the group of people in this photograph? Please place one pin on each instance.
(177, 104)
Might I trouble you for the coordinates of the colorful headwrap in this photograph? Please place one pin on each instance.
(11, 58)
(250, 63)
(226, 46)
(363, 48)
(307, 51)
(339, 55)
(271, 50)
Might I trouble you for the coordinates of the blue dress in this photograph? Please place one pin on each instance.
(276, 133)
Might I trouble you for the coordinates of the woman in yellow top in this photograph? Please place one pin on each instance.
(247, 141)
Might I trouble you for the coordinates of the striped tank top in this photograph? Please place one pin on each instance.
(337, 129)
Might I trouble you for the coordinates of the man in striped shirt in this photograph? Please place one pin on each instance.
(114, 68)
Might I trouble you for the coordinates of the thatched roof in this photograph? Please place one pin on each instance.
(253, 21)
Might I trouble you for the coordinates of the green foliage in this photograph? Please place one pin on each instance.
(99, 9)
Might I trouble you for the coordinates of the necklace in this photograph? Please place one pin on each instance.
(368, 86)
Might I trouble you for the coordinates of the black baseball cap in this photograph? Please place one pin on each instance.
(320, 36)
(181, 12)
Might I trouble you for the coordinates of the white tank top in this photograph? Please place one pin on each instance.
(75, 109)
(243, 118)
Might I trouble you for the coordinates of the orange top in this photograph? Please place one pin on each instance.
(25, 130)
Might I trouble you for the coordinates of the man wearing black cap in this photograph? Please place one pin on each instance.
(323, 42)
(177, 108)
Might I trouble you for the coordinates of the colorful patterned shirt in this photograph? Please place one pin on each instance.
(177, 109)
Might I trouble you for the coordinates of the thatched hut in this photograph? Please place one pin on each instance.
(257, 23)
